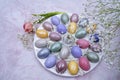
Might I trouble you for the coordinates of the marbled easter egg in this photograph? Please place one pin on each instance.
(80, 33)
(41, 33)
(84, 63)
(43, 53)
(41, 43)
(76, 51)
(47, 26)
(72, 27)
(83, 43)
(95, 47)
(64, 18)
(61, 66)
(55, 20)
(56, 47)
(83, 22)
(92, 57)
(64, 53)
(61, 29)
(73, 67)
(54, 36)
(50, 61)
(74, 18)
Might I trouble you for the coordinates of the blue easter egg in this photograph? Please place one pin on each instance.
(76, 51)
(61, 29)
(55, 20)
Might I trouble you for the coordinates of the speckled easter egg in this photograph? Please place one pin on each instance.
(84, 63)
(73, 67)
(50, 61)
(47, 26)
(64, 18)
(80, 33)
(43, 53)
(55, 20)
(61, 29)
(92, 57)
(61, 66)
(41, 33)
(76, 51)
(54, 36)
(64, 53)
(83, 43)
(74, 18)
(72, 27)
(56, 47)
(41, 43)
(83, 22)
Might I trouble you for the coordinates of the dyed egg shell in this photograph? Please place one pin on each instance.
(61, 66)
(72, 28)
(28, 27)
(43, 53)
(83, 22)
(54, 36)
(50, 61)
(41, 33)
(65, 52)
(76, 51)
(84, 63)
(64, 18)
(41, 43)
(47, 26)
(61, 29)
(55, 20)
(82, 43)
(92, 57)
(73, 68)
(95, 47)
(56, 47)
(80, 33)
(74, 18)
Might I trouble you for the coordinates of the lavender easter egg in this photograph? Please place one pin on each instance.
(61, 66)
(54, 36)
(76, 51)
(74, 18)
(41, 43)
(61, 29)
(43, 53)
(84, 63)
(55, 20)
(50, 61)
(47, 26)
(82, 43)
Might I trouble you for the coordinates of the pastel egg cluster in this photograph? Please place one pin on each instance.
(67, 34)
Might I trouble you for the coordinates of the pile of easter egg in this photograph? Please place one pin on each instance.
(61, 41)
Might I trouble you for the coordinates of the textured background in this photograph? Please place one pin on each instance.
(17, 63)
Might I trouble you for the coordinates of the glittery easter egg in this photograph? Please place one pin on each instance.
(76, 51)
(84, 63)
(43, 53)
(64, 18)
(61, 66)
(56, 47)
(80, 33)
(72, 27)
(50, 61)
(41, 43)
(95, 47)
(83, 22)
(55, 20)
(73, 67)
(41, 33)
(54, 36)
(47, 26)
(64, 53)
(61, 29)
(74, 18)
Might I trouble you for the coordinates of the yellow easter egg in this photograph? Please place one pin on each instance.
(41, 33)
(72, 28)
(73, 68)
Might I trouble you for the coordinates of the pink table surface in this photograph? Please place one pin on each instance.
(17, 63)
